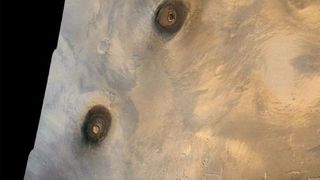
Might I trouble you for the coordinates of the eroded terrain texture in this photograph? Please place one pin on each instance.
(233, 94)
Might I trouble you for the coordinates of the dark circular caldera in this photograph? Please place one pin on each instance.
(97, 124)
(170, 16)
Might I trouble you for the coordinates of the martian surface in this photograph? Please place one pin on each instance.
(182, 90)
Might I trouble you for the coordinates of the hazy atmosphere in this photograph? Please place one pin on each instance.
(187, 89)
